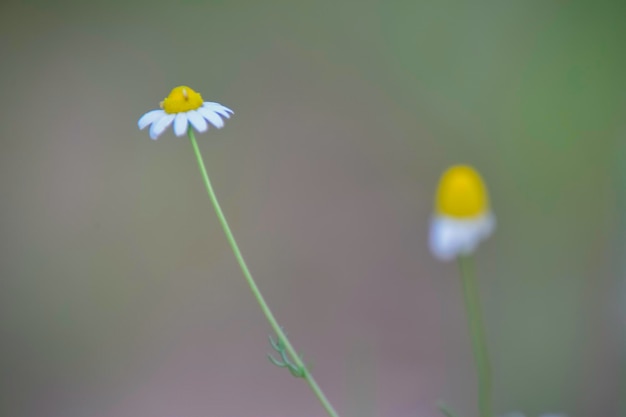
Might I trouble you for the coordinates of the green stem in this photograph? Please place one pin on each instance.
(445, 410)
(255, 290)
(477, 332)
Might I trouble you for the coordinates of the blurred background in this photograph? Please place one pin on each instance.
(119, 296)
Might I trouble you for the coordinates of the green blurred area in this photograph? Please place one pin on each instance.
(118, 295)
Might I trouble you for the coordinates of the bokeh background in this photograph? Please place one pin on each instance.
(119, 296)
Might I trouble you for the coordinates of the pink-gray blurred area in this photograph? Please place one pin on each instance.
(119, 296)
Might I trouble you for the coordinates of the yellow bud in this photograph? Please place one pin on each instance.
(461, 193)
(181, 99)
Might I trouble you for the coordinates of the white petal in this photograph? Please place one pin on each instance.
(212, 117)
(150, 118)
(159, 126)
(197, 121)
(451, 237)
(440, 242)
(180, 124)
(218, 108)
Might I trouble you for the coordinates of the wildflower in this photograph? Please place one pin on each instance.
(462, 216)
(184, 107)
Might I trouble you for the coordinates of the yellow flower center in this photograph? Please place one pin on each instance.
(181, 99)
(461, 193)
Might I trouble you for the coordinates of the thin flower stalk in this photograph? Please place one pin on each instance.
(330, 410)
(477, 334)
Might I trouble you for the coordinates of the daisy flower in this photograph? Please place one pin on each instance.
(462, 216)
(184, 107)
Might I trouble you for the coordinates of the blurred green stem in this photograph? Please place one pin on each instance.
(477, 333)
(445, 410)
(255, 290)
